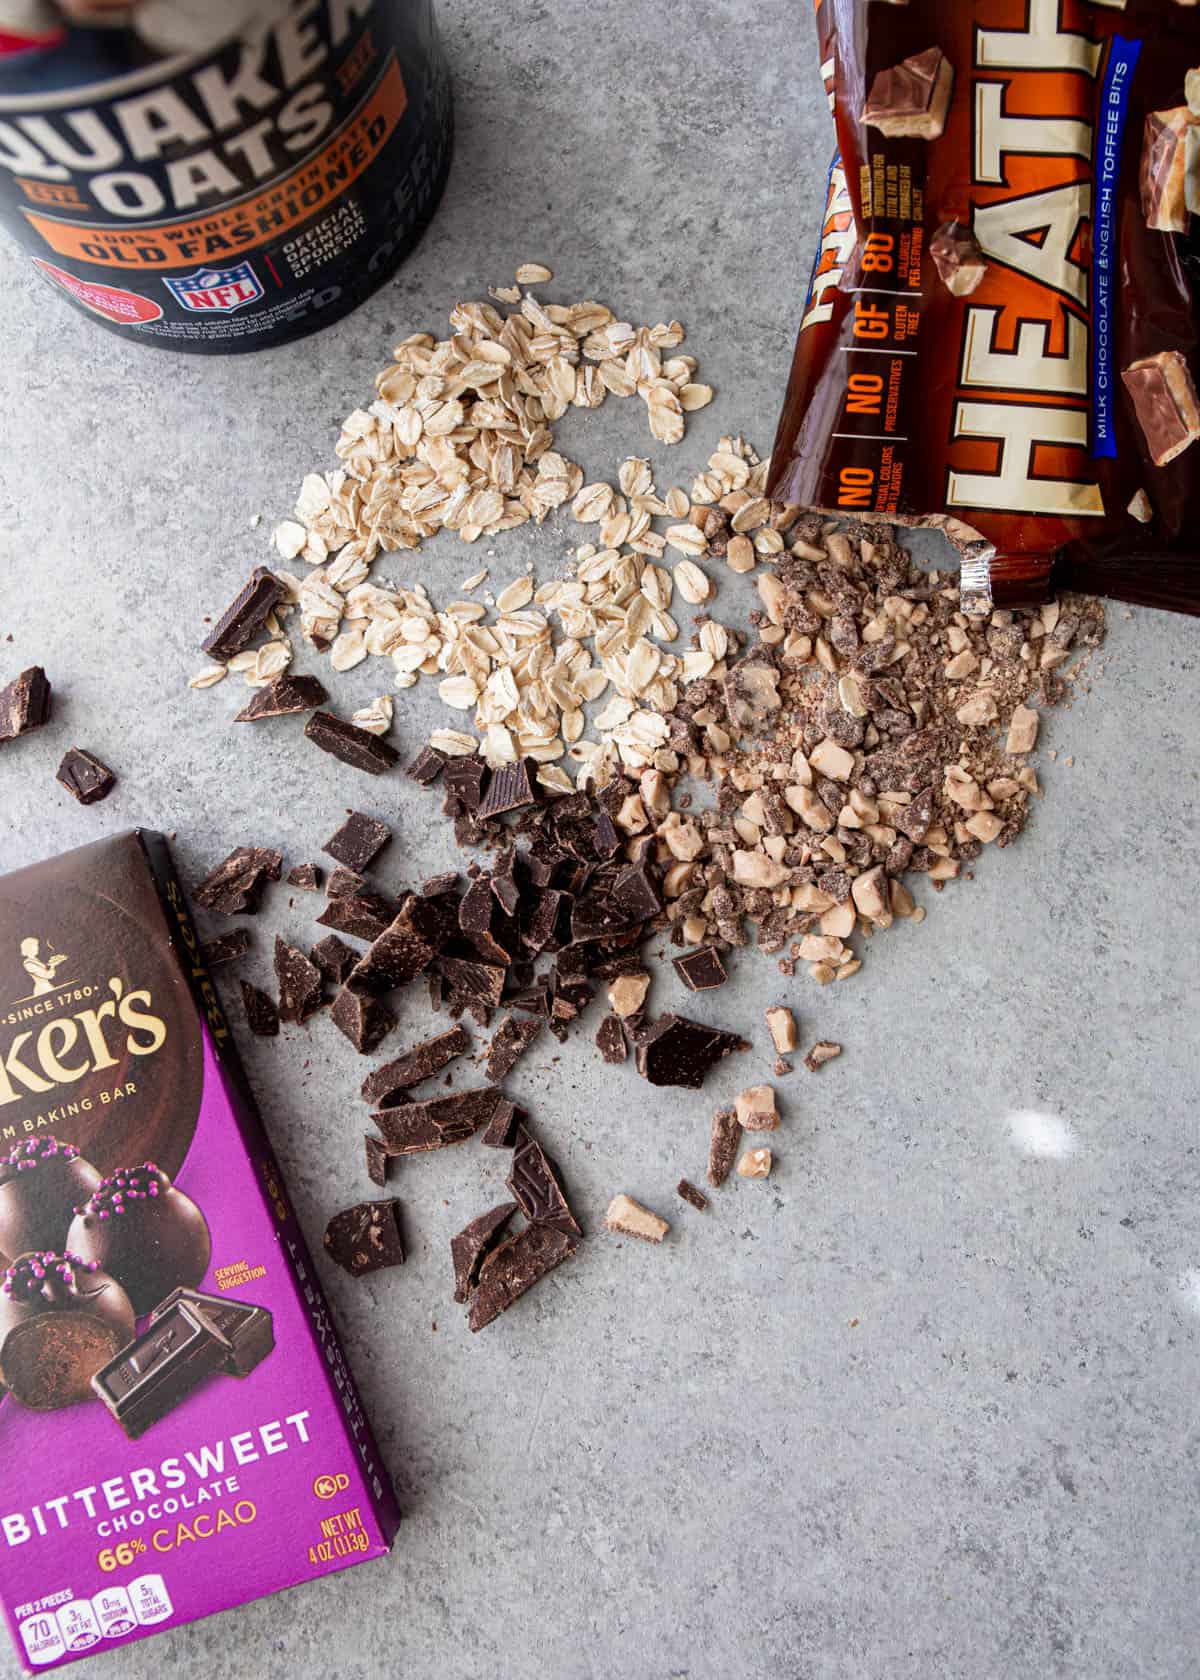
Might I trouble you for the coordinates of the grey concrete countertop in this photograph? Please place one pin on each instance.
(922, 1404)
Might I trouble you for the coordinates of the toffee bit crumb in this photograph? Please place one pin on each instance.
(755, 1163)
(631, 1219)
(824, 1050)
(690, 1194)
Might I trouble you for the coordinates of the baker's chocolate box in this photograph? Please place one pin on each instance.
(179, 1430)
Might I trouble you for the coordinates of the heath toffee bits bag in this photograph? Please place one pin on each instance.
(999, 337)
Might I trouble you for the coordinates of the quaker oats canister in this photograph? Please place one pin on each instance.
(220, 175)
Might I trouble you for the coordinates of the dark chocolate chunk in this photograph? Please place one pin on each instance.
(235, 886)
(597, 917)
(358, 841)
(366, 1021)
(366, 1238)
(378, 1159)
(516, 1265)
(503, 1127)
(334, 958)
(427, 766)
(178, 1352)
(636, 893)
(690, 1193)
(388, 1085)
(363, 915)
(543, 919)
(534, 1181)
(476, 910)
(226, 947)
(248, 1329)
(354, 746)
(283, 697)
(473, 982)
(438, 885)
(610, 1040)
(301, 982)
(534, 1000)
(414, 1128)
(306, 876)
(474, 1242)
(512, 788)
(85, 777)
(345, 883)
(723, 1145)
(464, 779)
(702, 970)
(396, 957)
(676, 1051)
(510, 1042)
(504, 883)
(244, 618)
(262, 1017)
(24, 704)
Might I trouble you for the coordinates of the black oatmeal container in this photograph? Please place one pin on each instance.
(221, 175)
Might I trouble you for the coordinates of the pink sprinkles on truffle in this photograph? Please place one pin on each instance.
(34, 1274)
(36, 1150)
(113, 1194)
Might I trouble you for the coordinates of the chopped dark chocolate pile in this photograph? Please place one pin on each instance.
(396, 956)
(414, 1128)
(366, 1021)
(509, 1043)
(534, 1181)
(723, 1146)
(474, 1242)
(676, 1051)
(503, 1127)
(284, 696)
(512, 788)
(610, 1040)
(514, 1267)
(366, 1238)
(262, 1017)
(690, 1194)
(427, 766)
(305, 876)
(245, 616)
(226, 947)
(358, 841)
(334, 958)
(85, 777)
(388, 1085)
(301, 983)
(234, 887)
(354, 746)
(363, 915)
(378, 1159)
(702, 970)
(24, 704)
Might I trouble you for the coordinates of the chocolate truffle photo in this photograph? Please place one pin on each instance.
(146, 1233)
(42, 1182)
(61, 1320)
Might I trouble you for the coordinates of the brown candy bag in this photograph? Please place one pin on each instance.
(999, 337)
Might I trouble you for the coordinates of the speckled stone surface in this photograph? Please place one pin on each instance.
(919, 1405)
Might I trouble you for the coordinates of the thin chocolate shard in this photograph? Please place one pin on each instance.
(363, 915)
(366, 1021)
(235, 886)
(504, 884)
(702, 970)
(503, 1127)
(534, 1000)
(515, 1266)
(690, 1194)
(476, 910)
(510, 1042)
(85, 777)
(474, 1242)
(262, 1017)
(305, 876)
(610, 1040)
(427, 766)
(378, 1159)
(512, 788)
(284, 696)
(473, 982)
(24, 704)
(396, 957)
(366, 1238)
(723, 1146)
(387, 1087)
(438, 885)
(245, 616)
(543, 919)
(464, 779)
(358, 841)
(676, 1051)
(334, 958)
(354, 746)
(226, 947)
(414, 1128)
(910, 101)
(345, 883)
(301, 983)
(533, 1179)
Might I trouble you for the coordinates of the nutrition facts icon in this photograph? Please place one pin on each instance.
(151, 1600)
(78, 1625)
(83, 1622)
(114, 1612)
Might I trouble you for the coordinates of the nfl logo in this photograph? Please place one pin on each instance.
(217, 290)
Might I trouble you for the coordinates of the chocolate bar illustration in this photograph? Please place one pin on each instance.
(247, 1328)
